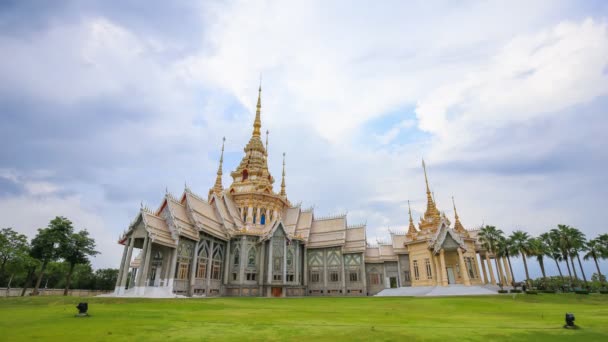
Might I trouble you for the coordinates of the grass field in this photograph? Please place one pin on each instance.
(482, 318)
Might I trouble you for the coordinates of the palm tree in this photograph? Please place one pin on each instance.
(579, 241)
(520, 241)
(560, 237)
(552, 250)
(490, 237)
(596, 250)
(505, 248)
(539, 249)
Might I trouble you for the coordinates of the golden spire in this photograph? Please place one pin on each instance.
(218, 187)
(457, 225)
(411, 229)
(431, 215)
(257, 123)
(283, 193)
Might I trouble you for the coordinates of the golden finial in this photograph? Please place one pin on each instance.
(411, 229)
(426, 180)
(455, 212)
(257, 123)
(457, 224)
(218, 187)
(283, 193)
(431, 215)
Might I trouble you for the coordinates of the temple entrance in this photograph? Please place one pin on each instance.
(451, 279)
(393, 282)
(277, 291)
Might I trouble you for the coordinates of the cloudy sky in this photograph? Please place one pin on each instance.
(105, 104)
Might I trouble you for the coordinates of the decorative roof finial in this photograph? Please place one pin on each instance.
(431, 215)
(283, 193)
(411, 229)
(455, 212)
(257, 123)
(457, 224)
(218, 187)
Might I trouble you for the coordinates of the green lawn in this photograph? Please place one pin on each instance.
(483, 318)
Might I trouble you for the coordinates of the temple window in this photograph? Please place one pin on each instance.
(429, 271)
(375, 278)
(255, 215)
(315, 276)
(416, 271)
(406, 275)
(353, 275)
(203, 258)
(334, 276)
(263, 219)
(251, 276)
(245, 174)
(216, 268)
(182, 272)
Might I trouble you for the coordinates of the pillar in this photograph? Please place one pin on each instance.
(501, 274)
(260, 266)
(343, 277)
(125, 273)
(270, 248)
(490, 269)
(194, 263)
(172, 269)
(141, 262)
(121, 269)
(210, 267)
(305, 275)
(227, 262)
(507, 271)
(243, 258)
(444, 275)
(483, 269)
(438, 278)
(145, 266)
(463, 268)
(249, 214)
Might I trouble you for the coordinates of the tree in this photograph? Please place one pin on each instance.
(552, 250)
(13, 246)
(490, 238)
(520, 241)
(562, 242)
(539, 249)
(579, 242)
(595, 250)
(105, 279)
(77, 249)
(46, 244)
(504, 249)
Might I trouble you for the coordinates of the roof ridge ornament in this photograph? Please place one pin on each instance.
(218, 187)
(283, 193)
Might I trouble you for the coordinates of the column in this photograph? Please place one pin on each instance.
(172, 269)
(270, 248)
(399, 280)
(243, 258)
(194, 263)
(483, 268)
(141, 262)
(305, 275)
(501, 275)
(227, 262)
(343, 277)
(363, 274)
(260, 266)
(438, 273)
(444, 276)
(146, 266)
(507, 271)
(258, 217)
(283, 292)
(121, 269)
(250, 214)
(125, 273)
(463, 268)
(267, 216)
(490, 270)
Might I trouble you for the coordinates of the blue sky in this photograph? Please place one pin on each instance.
(105, 104)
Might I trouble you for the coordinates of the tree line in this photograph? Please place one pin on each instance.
(58, 254)
(561, 244)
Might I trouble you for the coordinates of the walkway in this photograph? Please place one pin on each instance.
(430, 291)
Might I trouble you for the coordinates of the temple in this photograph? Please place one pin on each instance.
(248, 240)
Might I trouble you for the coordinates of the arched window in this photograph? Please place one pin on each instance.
(255, 215)
(237, 256)
(203, 257)
(251, 257)
(263, 219)
(245, 174)
(216, 268)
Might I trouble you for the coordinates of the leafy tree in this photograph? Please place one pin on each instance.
(13, 248)
(77, 249)
(46, 244)
(520, 241)
(579, 242)
(504, 249)
(560, 236)
(105, 278)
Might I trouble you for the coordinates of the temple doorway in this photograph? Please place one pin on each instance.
(451, 279)
(277, 291)
(393, 282)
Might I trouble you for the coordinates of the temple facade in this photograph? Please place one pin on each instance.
(248, 240)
